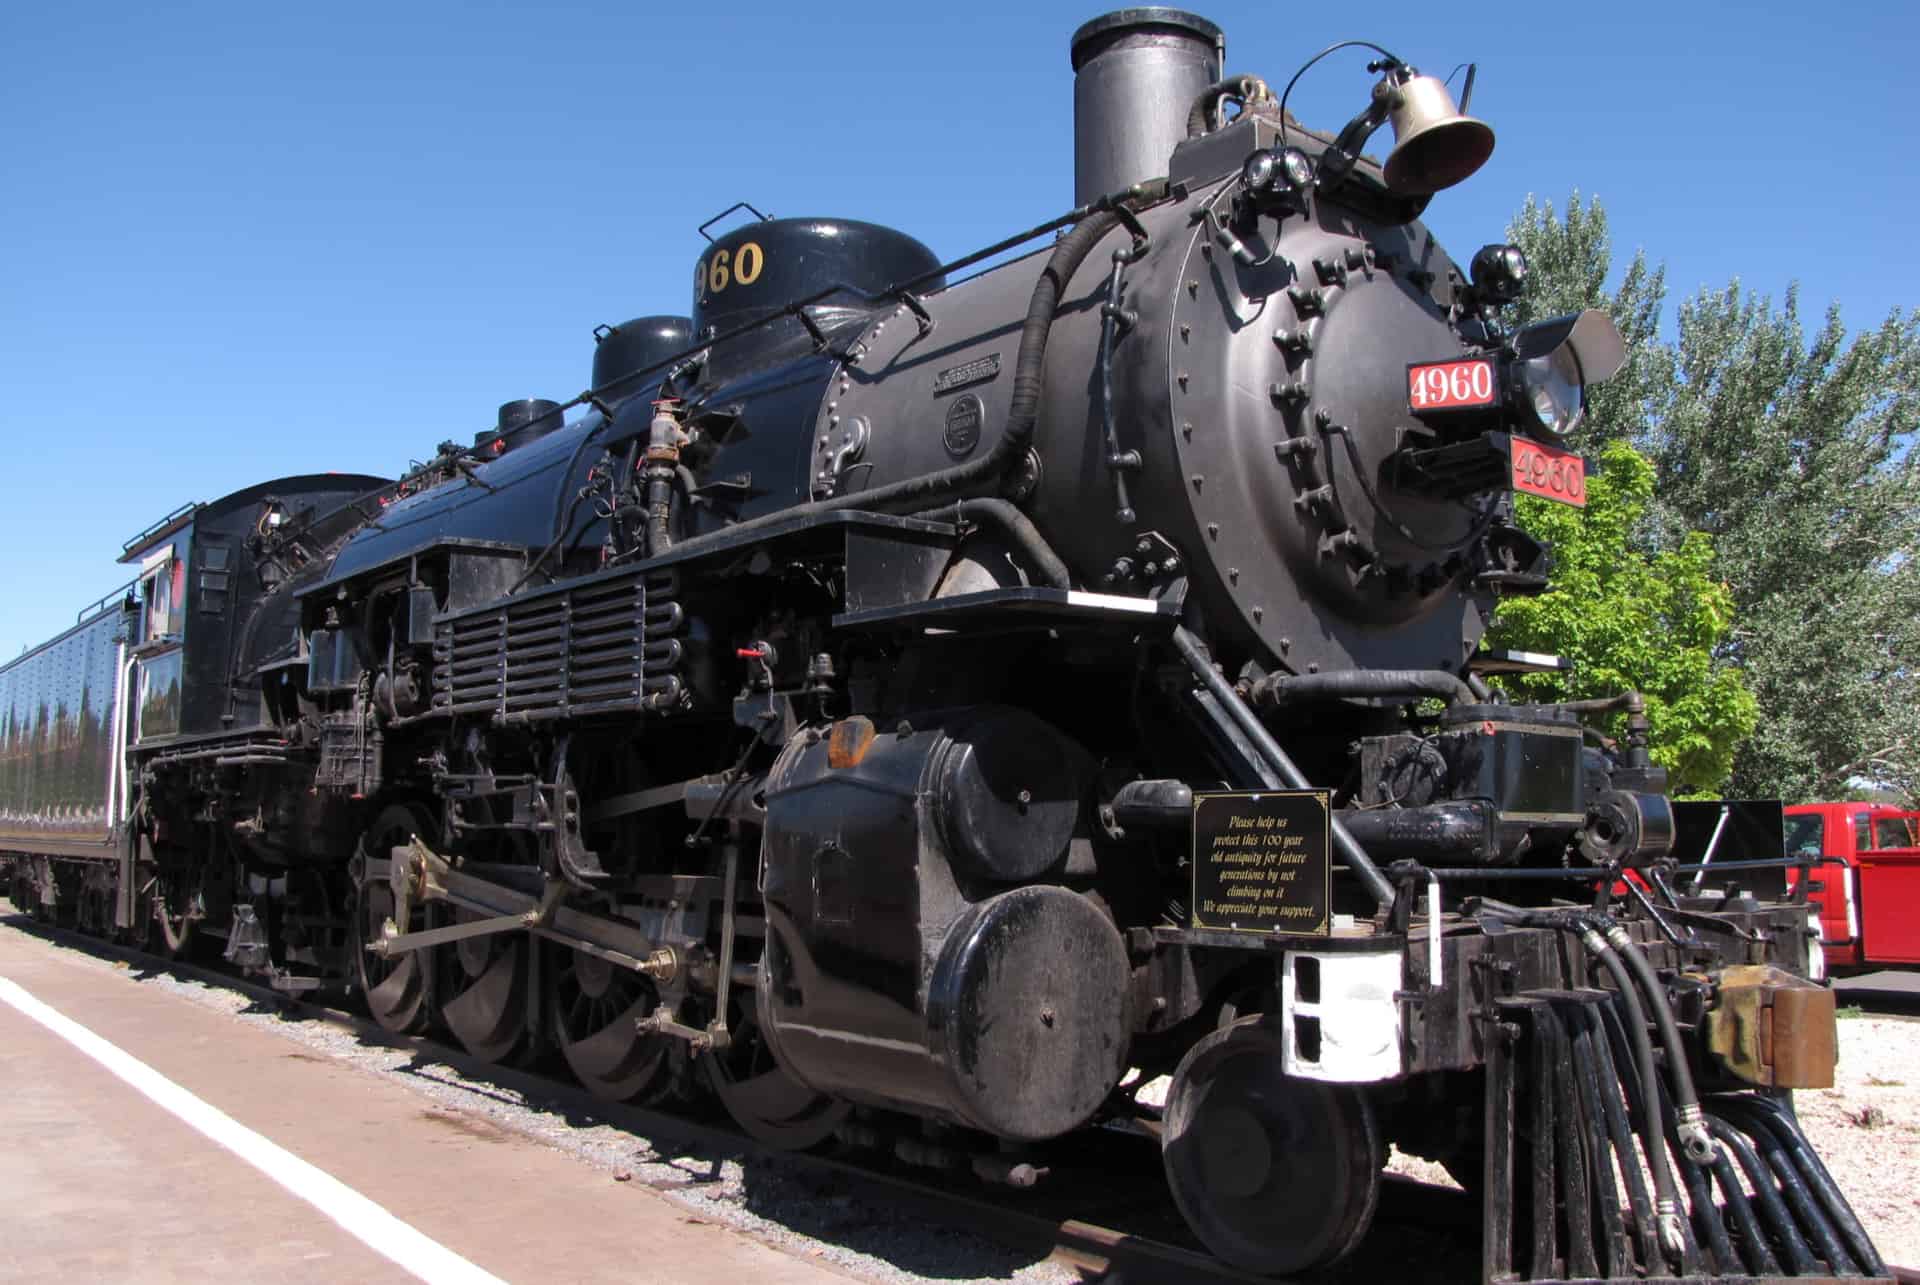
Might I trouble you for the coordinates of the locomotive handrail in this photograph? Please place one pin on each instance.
(159, 526)
(1278, 763)
(1140, 194)
(106, 599)
(737, 205)
(1758, 863)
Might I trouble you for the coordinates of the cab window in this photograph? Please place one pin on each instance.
(164, 592)
(1896, 832)
(1806, 835)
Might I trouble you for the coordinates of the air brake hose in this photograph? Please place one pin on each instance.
(1666, 1195)
(1692, 1126)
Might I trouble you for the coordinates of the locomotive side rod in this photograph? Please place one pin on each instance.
(507, 910)
(1278, 763)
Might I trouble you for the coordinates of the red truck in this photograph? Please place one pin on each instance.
(1870, 909)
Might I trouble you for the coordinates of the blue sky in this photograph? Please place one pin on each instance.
(242, 240)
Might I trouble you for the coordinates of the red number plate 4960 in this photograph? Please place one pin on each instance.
(1549, 473)
(1450, 385)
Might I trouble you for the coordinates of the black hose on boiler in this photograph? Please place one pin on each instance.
(1042, 562)
(660, 486)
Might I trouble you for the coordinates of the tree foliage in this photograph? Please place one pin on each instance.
(1628, 618)
(1792, 453)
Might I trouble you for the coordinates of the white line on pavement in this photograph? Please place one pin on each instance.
(360, 1217)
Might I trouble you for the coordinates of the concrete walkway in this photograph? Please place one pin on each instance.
(100, 1183)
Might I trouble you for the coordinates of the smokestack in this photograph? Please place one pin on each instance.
(1135, 74)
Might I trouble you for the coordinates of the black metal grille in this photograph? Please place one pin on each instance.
(568, 651)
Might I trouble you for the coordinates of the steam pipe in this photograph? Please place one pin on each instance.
(1279, 689)
(1242, 89)
(1459, 829)
(1351, 853)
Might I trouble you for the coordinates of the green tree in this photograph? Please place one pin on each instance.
(1792, 453)
(1629, 618)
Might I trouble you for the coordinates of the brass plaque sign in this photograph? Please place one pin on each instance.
(1263, 861)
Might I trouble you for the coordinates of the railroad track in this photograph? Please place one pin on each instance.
(1057, 1223)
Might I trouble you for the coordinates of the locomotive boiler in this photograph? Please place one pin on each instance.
(921, 704)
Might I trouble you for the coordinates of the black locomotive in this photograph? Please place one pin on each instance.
(921, 709)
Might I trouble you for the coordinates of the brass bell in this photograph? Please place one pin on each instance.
(1434, 145)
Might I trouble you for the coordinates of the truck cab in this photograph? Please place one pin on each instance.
(1870, 867)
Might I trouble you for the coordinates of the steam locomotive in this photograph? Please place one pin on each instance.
(918, 707)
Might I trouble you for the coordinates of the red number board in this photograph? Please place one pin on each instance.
(1548, 473)
(1451, 385)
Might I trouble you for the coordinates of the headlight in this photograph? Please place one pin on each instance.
(1551, 391)
(1554, 360)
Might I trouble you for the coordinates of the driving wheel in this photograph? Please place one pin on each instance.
(399, 987)
(596, 1007)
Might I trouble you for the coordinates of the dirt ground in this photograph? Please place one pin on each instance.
(1867, 1126)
